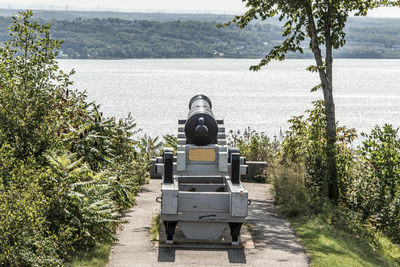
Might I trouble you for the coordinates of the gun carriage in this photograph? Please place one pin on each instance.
(201, 188)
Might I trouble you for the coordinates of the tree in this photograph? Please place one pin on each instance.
(322, 23)
(31, 87)
(67, 172)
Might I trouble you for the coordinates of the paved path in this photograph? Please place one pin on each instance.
(274, 240)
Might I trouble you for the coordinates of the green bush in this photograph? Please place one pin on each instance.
(305, 143)
(368, 178)
(171, 141)
(80, 207)
(253, 145)
(23, 236)
(378, 191)
(288, 188)
(31, 86)
(67, 173)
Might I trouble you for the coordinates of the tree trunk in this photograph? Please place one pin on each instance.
(325, 74)
(333, 192)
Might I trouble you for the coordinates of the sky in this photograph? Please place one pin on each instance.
(181, 6)
(214, 6)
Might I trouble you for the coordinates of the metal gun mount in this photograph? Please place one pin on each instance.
(201, 188)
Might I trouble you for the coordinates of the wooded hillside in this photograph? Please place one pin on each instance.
(119, 38)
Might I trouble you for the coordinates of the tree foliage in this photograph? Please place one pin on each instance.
(368, 177)
(253, 145)
(67, 172)
(322, 23)
(376, 193)
(31, 87)
(118, 38)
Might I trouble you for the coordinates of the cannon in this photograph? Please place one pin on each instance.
(201, 189)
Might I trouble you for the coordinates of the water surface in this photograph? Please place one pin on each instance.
(157, 91)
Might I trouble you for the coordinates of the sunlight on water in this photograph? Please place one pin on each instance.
(157, 91)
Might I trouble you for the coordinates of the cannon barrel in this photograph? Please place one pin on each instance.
(201, 128)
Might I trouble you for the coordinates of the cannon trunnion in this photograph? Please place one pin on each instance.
(201, 188)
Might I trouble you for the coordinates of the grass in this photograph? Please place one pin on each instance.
(248, 226)
(328, 246)
(98, 257)
(155, 226)
(388, 249)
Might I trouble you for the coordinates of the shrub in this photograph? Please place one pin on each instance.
(31, 87)
(288, 188)
(170, 141)
(67, 172)
(305, 143)
(23, 205)
(254, 145)
(378, 194)
(80, 210)
(368, 178)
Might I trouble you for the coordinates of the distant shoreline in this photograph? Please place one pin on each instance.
(222, 58)
(135, 35)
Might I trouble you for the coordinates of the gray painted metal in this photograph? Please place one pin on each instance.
(196, 187)
(202, 198)
(203, 201)
(255, 170)
(203, 230)
(170, 193)
(198, 216)
(212, 179)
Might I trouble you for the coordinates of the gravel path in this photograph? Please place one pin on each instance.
(274, 240)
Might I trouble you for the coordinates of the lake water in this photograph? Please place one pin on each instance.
(157, 91)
